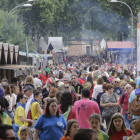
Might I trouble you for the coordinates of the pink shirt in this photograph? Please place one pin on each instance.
(84, 108)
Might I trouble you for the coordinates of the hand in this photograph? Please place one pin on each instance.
(32, 121)
(129, 116)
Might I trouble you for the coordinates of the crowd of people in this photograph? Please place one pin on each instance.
(76, 100)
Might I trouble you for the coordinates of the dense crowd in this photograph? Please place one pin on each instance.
(75, 100)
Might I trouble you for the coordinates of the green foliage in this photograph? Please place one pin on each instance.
(13, 33)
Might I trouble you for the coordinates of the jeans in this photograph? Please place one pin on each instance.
(127, 122)
(107, 122)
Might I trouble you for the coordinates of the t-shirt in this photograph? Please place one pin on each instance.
(20, 112)
(84, 108)
(124, 102)
(78, 88)
(102, 135)
(138, 82)
(51, 128)
(35, 114)
(131, 98)
(118, 135)
(98, 100)
(82, 81)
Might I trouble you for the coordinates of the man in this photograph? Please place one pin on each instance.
(37, 82)
(62, 87)
(118, 90)
(56, 72)
(85, 134)
(121, 69)
(4, 81)
(84, 108)
(6, 132)
(104, 72)
(77, 86)
(28, 91)
(82, 79)
(128, 78)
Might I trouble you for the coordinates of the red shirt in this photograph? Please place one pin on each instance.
(72, 114)
(118, 135)
(43, 78)
(81, 80)
(91, 90)
(124, 102)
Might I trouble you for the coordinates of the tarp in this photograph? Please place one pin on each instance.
(16, 67)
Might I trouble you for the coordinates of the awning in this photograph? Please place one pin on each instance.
(16, 67)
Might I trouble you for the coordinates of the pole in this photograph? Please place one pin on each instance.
(27, 55)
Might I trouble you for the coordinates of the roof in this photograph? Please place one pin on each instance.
(16, 67)
(115, 46)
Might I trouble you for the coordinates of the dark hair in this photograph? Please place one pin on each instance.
(94, 116)
(1, 112)
(58, 96)
(84, 134)
(60, 75)
(3, 130)
(66, 101)
(96, 67)
(20, 88)
(86, 92)
(112, 74)
(47, 111)
(7, 92)
(4, 80)
(90, 79)
(109, 86)
(133, 84)
(36, 93)
(46, 73)
(90, 68)
(100, 81)
(20, 96)
(104, 87)
(127, 73)
(118, 74)
(121, 76)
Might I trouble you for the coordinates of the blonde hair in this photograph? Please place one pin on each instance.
(25, 129)
(29, 80)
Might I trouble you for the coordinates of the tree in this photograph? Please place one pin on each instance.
(13, 33)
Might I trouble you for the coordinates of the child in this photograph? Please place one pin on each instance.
(94, 121)
(24, 133)
(133, 130)
(117, 129)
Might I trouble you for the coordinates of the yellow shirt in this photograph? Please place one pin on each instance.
(6, 119)
(20, 112)
(35, 114)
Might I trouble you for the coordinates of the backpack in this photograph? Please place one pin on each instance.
(29, 116)
(66, 114)
(135, 107)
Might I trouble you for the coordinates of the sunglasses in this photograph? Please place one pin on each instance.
(10, 138)
(66, 87)
(73, 78)
(128, 88)
(116, 82)
(25, 97)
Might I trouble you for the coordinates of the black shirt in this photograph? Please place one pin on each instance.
(78, 88)
(44, 90)
(4, 102)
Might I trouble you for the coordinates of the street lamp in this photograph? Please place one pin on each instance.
(131, 26)
(24, 5)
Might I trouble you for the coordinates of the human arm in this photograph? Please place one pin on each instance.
(25, 120)
(39, 109)
(35, 135)
(13, 101)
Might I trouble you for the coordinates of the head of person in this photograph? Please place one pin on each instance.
(66, 101)
(58, 97)
(131, 71)
(60, 75)
(44, 72)
(51, 85)
(104, 87)
(118, 74)
(90, 79)
(133, 123)
(51, 109)
(121, 67)
(109, 88)
(4, 81)
(25, 133)
(102, 69)
(38, 95)
(68, 86)
(100, 81)
(117, 123)
(68, 71)
(72, 128)
(94, 121)
(85, 134)
(28, 90)
(122, 77)
(65, 80)
(128, 89)
(6, 89)
(22, 98)
(13, 89)
(133, 85)
(85, 93)
(84, 74)
(96, 67)
(74, 77)
(53, 92)
(6, 132)
(115, 82)
(127, 74)
(91, 68)
(29, 80)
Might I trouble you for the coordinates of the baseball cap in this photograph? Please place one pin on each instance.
(28, 87)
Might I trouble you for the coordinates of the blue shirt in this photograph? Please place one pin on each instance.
(138, 82)
(51, 128)
(131, 98)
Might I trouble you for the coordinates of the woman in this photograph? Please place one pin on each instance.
(20, 115)
(72, 128)
(51, 125)
(117, 129)
(110, 102)
(66, 107)
(97, 88)
(68, 88)
(124, 100)
(68, 73)
(60, 75)
(21, 86)
(43, 77)
(29, 81)
(89, 79)
(4, 118)
(10, 98)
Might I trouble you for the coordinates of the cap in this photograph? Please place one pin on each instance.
(87, 85)
(27, 87)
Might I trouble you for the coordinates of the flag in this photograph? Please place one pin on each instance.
(50, 48)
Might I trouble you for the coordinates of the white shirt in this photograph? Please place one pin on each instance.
(97, 89)
(28, 104)
(106, 74)
(37, 81)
